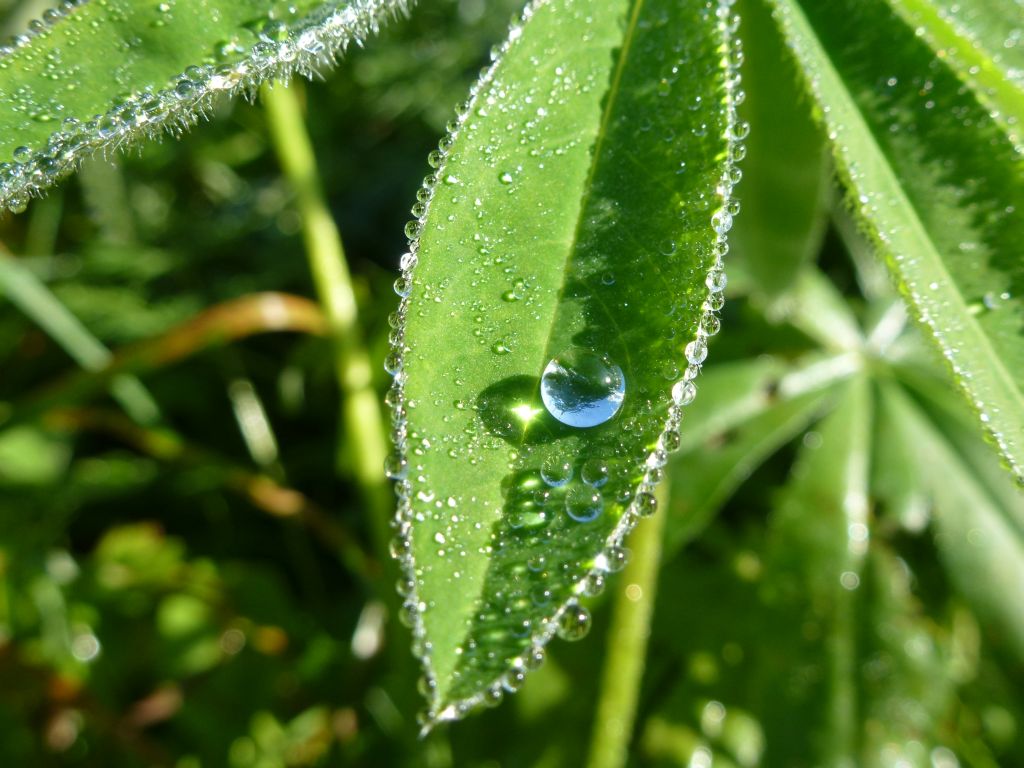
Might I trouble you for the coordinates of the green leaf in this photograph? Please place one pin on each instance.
(97, 76)
(786, 177)
(821, 539)
(978, 538)
(704, 479)
(980, 41)
(938, 186)
(818, 544)
(581, 203)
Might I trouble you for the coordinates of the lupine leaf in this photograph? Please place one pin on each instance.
(786, 183)
(579, 204)
(981, 40)
(818, 546)
(913, 146)
(978, 534)
(95, 76)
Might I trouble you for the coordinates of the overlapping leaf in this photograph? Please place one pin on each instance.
(580, 204)
(95, 76)
(936, 182)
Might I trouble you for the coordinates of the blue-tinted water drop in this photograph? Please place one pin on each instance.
(583, 503)
(582, 388)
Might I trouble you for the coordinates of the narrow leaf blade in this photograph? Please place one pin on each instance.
(97, 76)
(572, 209)
(912, 145)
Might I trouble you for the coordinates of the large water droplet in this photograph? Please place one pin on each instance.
(581, 388)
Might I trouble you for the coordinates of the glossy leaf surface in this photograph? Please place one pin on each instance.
(96, 76)
(981, 40)
(912, 145)
(578, 213)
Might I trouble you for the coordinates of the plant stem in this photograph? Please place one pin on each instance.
(626, 651)
(361, 443)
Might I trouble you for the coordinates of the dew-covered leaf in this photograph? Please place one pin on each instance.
(557, 306)
(96, 76)
(982, 41)
(938, 185)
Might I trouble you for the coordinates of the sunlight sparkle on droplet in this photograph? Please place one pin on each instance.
(526, 412)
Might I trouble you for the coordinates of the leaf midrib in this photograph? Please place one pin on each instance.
(915, 227)
(588, 186)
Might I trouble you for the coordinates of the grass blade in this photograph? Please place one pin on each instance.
(32, 297)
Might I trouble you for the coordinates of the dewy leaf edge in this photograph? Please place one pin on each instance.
(683, 392)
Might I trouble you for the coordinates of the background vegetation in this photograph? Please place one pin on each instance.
(190, 573)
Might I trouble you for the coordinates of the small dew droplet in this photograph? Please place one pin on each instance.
(583, 503)
(574, 623)
(646, 505)
(555, 471)
(595, 473)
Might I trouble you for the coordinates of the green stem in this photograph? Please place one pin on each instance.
(625, 655)
(35, 300)
(362, 421)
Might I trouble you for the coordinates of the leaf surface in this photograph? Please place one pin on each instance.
(980, 39)
(978, 527)
(818, 545)
(786, 182)
(938, 186)
(572, 211)
(96, 76)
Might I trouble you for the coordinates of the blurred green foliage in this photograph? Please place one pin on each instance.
(169, 593)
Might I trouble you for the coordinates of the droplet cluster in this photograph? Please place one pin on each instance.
(302, 46)
(578, 489)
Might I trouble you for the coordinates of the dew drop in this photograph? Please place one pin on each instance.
(396, 467)
(493, 695)
(583, 503)
(593, 584)
(581, 388)
(595, 473)
(696, 352)
(555, 471)
(616, 558)
(534, 658)
(646, 504)
(574, 623)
